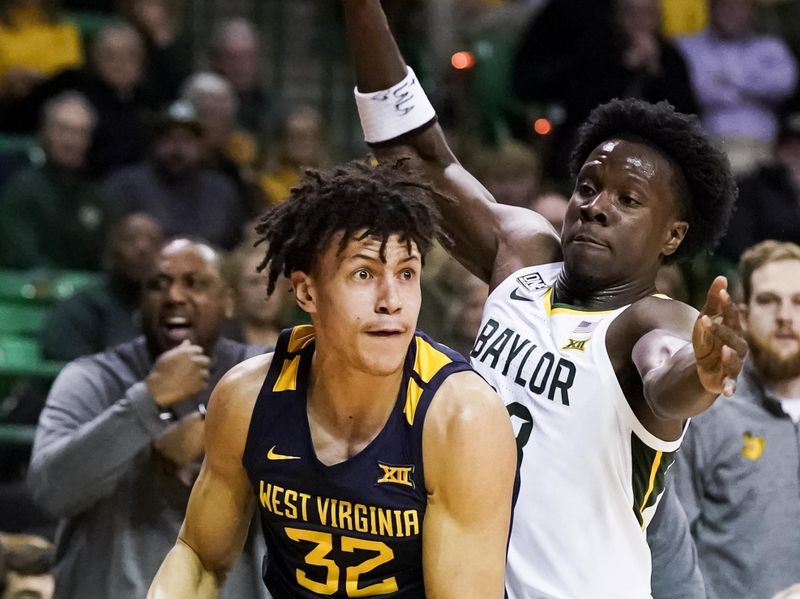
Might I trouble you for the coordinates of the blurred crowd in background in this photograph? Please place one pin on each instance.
(124, 123)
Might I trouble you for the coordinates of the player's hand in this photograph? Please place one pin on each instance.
(182, 442)
(178, 374)
(718, 340)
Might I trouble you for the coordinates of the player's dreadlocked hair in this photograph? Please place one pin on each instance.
(381, 201)
(710, 190)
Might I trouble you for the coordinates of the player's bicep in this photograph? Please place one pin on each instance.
(470, 460)
(221, 504)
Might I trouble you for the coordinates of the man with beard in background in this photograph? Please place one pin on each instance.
(738, 470)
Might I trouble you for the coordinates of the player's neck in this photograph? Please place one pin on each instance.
(788, 389)
(344, 399)
(588, 296)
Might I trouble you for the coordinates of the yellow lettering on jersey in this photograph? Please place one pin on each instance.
(304, 497)
(411, 519)
(345, 509)
(385, 522)
(338, 513)
(372, 520)
(399, 475)
(322, 510)
(360, 517)
(289, 500)
(275, 501)
(263, 495)
(576, 344)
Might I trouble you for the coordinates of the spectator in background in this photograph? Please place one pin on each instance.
(106, 314)
(167, 49)
(236, 55)
(258, 319)
(114, 89)
(769, 200)
(740, 79)
(52, 215)
(553, 206)
(174, 188)
(511, 171)
(120, 439)
(35, 44)
(229, 151)
(737, 471)
(25, 564)
(301, 145)
(464, 320)
(581, 53)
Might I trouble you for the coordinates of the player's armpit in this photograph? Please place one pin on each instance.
(470, 460)
(221, 504)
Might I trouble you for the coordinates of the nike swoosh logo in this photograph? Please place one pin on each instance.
(518, 297)
(271, 455)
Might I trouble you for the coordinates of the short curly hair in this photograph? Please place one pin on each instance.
(379, 200)
(710, 192)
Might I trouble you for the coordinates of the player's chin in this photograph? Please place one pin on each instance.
(384, 355)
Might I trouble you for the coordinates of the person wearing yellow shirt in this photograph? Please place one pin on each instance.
(34, 45)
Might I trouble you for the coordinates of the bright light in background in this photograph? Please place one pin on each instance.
(542, 126)
(462, 60)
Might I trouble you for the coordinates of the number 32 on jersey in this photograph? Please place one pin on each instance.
(319, 557)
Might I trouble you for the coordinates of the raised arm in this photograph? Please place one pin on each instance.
(686, 360)
(491, 240)
(221, 505)
(470, 460)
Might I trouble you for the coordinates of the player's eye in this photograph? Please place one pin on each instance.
(362, 274)
(408, 274)
(586, 190)
(627, 200)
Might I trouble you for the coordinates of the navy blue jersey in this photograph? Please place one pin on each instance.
(352, 529)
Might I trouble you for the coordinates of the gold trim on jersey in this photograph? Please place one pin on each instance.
(300, 337)
(287, 379)
(550, 310)
(652, 483)
(427, 362)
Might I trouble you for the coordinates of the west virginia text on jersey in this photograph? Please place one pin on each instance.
(352, 529)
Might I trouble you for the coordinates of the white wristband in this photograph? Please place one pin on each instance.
(392, 112)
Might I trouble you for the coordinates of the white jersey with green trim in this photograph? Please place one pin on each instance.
(590, 474)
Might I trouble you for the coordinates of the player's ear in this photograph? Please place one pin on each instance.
(304, 291)
(676, 234)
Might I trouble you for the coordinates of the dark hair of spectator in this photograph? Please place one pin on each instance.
(49, 9)
(708, 190)
(30, 559)
(353, 199)
(761, 254)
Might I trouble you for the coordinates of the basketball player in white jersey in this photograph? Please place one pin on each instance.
(599, 372)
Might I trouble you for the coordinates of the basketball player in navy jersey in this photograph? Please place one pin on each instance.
(599, 372)
(381, 464)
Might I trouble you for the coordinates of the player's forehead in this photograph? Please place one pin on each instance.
(362, 245)
(635, 158)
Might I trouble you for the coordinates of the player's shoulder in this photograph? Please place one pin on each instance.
(240, 386)
(465, 400)
(658, 312)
